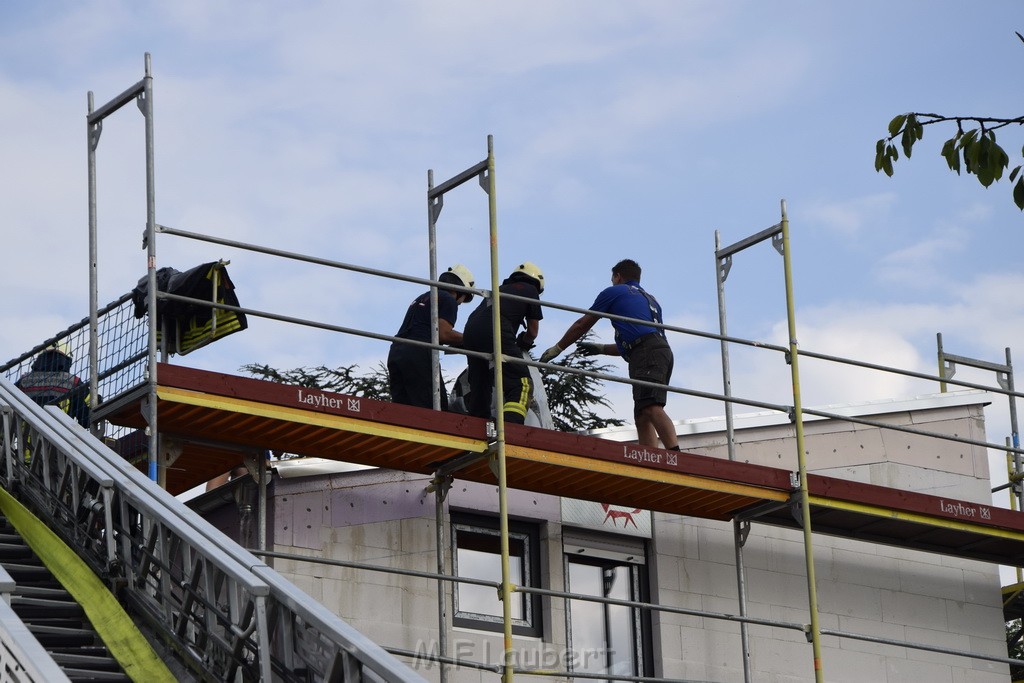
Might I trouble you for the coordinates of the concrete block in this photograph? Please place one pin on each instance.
(664, 573)
(910, 671)
(875, 629)
(976, 620)
(859, 568)
(996, 675)
(849, 600)
(940, 639)
(995, 648)
(366, 540)
(715, 544)
(770, 658)
(982, 588)
(852, 666)
(765, 587)
(932, 580)
(708, 578)
(418, 537)
(913, 610)
(787, 556)
(679, 599)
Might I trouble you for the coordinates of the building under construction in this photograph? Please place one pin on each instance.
(369, 539)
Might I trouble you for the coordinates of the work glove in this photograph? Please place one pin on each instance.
(589, 349)
(551, 354)
(524, 341)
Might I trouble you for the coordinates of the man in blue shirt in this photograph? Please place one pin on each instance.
(409, 364)
(643, 346)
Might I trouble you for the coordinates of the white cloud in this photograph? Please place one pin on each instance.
(850, 218)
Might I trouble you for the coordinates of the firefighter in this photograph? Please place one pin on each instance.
(409, 364)
(526, 281)
(50, 382)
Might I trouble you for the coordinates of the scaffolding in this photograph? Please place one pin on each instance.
(129, 376)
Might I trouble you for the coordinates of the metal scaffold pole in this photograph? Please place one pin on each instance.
(145, 103)
(814, 633)
(93, 130)
(723, 264)
(142, 94)
(483, 171)
(434, 205)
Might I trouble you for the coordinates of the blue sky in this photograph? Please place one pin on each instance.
(621, 130)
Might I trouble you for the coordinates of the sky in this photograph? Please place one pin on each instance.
(620, 130)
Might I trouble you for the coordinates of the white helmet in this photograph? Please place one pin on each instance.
(531, 269)
(459, 275)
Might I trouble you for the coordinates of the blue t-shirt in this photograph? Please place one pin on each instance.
(631, 301)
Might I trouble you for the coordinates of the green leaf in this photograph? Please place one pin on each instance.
(1018, 194)
(907, 140)
(952, 155)
(887, 165)
(896, 124)
(971, 152)
(1013, 174)
(982, 161)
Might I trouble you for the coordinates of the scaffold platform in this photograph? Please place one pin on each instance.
(210, 421)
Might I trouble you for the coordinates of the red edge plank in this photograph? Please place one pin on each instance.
(912, 502)
(655, 458)
(220, 384)
(316, 400)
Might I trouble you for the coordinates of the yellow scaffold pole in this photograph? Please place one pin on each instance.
(499, 421)
(814, 634)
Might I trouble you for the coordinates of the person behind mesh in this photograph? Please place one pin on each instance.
(50, 382)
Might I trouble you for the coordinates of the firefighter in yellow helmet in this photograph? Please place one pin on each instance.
(527, 281)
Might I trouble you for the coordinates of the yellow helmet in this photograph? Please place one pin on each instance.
(531, 269)
(459, 275)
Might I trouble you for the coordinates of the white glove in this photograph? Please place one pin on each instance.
(551, 354)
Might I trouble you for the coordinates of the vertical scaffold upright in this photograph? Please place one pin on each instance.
(142, 94)
(779, 235)
(484, 171)
(1004, 377)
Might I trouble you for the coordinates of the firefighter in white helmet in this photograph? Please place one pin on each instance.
(50, 382)
(526, 281)
(409, 364)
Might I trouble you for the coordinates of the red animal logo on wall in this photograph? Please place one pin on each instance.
(615, 513)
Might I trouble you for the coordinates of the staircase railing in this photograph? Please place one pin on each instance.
(226, 614)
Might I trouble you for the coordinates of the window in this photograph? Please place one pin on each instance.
(477, 555)
(603, 638)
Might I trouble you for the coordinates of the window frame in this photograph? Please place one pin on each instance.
(601, 550)
(488, 528)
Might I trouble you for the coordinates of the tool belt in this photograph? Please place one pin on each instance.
(629, 346)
